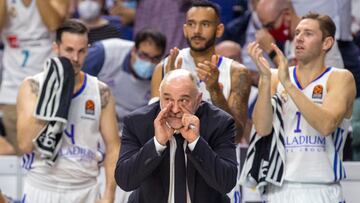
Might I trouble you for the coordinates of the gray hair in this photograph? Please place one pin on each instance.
(177, 74)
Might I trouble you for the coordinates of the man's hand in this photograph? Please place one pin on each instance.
(209, 73)
(174, 52)
(256, 54)
(283, 67)
(191, 125)
(163, 132)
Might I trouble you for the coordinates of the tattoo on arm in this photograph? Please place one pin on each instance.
(34, 85)
(239, 101)
(104, 94)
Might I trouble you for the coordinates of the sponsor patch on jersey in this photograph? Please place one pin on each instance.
(318, 92)
(90, 107)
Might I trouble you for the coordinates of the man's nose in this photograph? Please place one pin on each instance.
(198, 28)
(75, 57)
(175, 108)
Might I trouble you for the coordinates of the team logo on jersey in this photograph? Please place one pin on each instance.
(90, 107)
(317, 92)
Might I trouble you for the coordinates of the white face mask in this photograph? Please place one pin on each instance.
(89, 10)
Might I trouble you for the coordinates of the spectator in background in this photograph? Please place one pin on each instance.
(126, 67)
(27, 33)
(279, 20)
(99, 27)
(167, 16)
(125, 9)
(229, 49)
(232, 50)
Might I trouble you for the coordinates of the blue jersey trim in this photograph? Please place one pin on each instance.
(296, 80)
(327, 70)
(82, 87)
(219, 61)
(298, 83)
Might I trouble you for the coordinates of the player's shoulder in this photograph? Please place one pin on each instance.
(340, 74)
(238, 68)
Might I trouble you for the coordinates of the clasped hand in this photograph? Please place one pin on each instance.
(190, 124)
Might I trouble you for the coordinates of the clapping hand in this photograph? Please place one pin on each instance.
(256, 54)
(283, 68)
(174, 52)
(209, 73)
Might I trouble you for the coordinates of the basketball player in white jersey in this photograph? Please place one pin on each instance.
(91, 120)
(26, 28)
(317, 107)
(223, 81)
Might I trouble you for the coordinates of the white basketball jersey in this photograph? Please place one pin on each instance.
(310, 156)
(78, 158)
(224, 66)
(27, 45)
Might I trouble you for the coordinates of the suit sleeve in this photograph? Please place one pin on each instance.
(136, 161)
(216, 163)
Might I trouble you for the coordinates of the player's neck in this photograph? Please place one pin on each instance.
(203, 55)
(79, 80)
(307, 72)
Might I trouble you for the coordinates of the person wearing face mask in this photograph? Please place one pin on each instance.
(99, 27)
(279, 20)
(126, 67)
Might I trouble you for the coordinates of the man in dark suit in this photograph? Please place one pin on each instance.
(149, 157)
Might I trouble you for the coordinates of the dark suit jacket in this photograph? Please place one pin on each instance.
(211, 166)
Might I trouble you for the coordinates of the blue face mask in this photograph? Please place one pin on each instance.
(143, 69)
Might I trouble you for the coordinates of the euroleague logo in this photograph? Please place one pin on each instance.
(90, 107)
(318, 92)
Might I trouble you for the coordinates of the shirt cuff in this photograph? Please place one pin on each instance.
(159, 147)
(193, 144)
